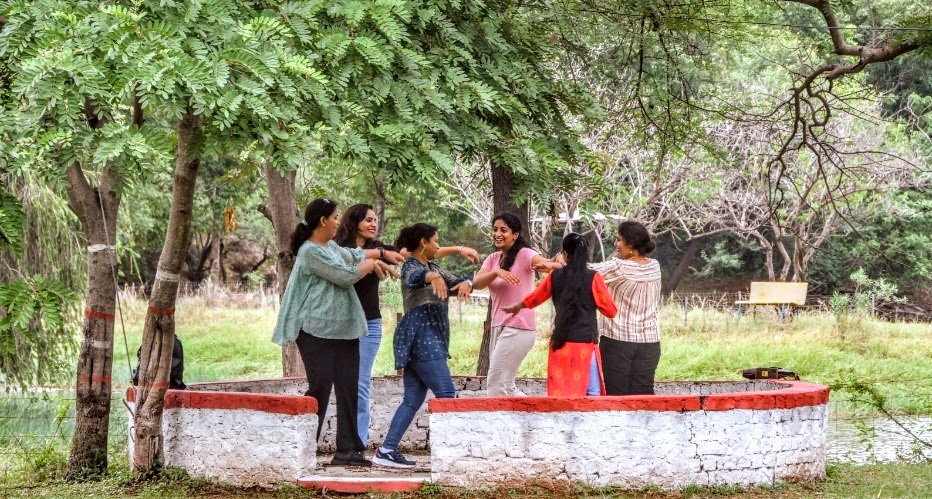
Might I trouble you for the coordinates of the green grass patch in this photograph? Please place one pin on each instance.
(866, 362)
(885, 481)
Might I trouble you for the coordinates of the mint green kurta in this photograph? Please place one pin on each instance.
(320, 298)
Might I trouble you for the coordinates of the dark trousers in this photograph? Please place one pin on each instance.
(333, 364)
(628, 367)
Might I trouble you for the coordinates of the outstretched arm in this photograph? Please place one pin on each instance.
(540, 294)
(468, 254)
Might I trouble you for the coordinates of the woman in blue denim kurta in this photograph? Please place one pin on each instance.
(422, 338)
(358, 229)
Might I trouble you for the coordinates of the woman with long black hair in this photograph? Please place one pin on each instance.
(573, 365)
(509, 275)
(321, 313)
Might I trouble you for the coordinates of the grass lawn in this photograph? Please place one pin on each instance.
(867, 357)
(875, 481)
(868, 364)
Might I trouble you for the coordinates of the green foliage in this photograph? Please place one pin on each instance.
(12, 223)
(720, 260)
(37, 318)
(37, 314)
(896, 244)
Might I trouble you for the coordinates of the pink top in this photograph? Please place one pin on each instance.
(504, 294)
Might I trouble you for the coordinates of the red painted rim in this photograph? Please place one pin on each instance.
(291, 405)
(796, 394)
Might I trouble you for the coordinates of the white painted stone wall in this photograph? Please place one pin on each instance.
(238, 446)
(629, 449)
(387, 391)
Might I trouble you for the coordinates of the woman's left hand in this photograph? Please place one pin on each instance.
(469, 254)
(513, 309)
(393, 257)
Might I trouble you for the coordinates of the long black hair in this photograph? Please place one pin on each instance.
(576, 247)
(636, 236)
(513, 223)
(410, 237)
(349, 227)
(320, 207)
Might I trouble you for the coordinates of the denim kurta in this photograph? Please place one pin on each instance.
(320, 298)
(424, 331)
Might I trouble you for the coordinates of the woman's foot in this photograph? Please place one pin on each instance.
(350, 458)
(391, 459)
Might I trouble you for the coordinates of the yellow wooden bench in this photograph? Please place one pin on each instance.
(783, 295)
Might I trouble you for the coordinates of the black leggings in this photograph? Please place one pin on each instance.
(628, 367)
(333, 364)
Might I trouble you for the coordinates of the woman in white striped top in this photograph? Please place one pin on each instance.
(630, 342)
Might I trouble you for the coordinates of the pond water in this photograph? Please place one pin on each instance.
(880, 440)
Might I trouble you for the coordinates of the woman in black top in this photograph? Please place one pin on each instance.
(358, 228)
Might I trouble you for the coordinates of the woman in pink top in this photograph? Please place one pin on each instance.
(509, 275)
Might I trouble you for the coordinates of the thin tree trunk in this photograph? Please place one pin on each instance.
(692, 249)
(502, 200)
(215, 263)
(283, 213)
(159, 332)
(96, 208)
(381, 202)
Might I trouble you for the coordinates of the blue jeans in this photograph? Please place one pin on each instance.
(368, 348)
(595, 387)
(418, 377)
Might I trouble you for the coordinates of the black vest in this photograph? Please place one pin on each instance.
(580, 326)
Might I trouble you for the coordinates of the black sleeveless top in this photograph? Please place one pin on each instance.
(575, 315)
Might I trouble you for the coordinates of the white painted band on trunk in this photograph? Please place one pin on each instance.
(161, 275)
(102, 345)
(97, 248)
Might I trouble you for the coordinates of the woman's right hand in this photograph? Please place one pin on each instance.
(384, 270)
(438, 284)
(507, 276)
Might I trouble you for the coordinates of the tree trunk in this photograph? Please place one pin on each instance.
(692, 249)
(97, 209)
(381, 202)
(502, 200)
(283, 212)
(215, 263)
(503, 188)
(159, 333)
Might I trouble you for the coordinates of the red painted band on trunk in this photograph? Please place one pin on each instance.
(168, 312)
(291, 405)
(93, 314)
(798, 394)
(84, 380)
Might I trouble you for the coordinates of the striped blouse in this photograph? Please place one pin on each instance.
(636, 291)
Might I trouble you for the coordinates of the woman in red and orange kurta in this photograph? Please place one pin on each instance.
(574, 366)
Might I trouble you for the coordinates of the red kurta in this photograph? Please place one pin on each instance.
(568, 368)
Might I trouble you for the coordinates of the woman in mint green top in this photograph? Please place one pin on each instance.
(321, 313)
